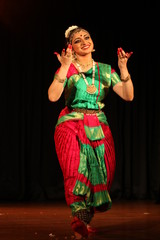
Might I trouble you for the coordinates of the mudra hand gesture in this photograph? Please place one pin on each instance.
(66, 56)
(123, 57)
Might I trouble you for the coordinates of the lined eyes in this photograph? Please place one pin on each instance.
(78, 40)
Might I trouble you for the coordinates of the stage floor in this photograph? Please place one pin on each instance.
(126, 220)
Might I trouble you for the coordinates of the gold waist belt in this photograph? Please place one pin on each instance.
(87, 111)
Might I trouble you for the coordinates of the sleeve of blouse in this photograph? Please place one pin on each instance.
(115, 78)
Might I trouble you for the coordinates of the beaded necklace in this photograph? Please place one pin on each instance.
(91, 89)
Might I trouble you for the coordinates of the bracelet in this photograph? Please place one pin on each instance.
(59, 79)
(126, 79)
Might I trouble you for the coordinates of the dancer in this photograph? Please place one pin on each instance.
(83, 139)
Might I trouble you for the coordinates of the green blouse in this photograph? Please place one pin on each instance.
(75, 87)
(77, 97)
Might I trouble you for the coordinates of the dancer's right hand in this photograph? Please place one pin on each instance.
(66, 56)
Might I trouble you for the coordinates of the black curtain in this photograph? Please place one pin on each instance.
(30, 31)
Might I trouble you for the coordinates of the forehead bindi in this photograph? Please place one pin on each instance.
(82, 33)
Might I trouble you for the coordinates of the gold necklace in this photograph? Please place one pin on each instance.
(91, 89)
(84, 65)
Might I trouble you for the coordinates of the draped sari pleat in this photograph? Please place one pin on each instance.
(88, 166)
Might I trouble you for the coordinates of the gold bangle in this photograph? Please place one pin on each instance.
(59, 79)
(126, 79)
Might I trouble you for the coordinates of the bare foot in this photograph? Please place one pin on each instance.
(77, 235)
(79, 227)
(91, 229)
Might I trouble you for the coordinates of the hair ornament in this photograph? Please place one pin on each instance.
(67, 32)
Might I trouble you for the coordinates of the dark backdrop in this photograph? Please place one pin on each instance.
(30, 31)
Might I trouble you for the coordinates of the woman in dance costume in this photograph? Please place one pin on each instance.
(83, 139)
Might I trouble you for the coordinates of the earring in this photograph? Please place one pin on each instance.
(74, 56)
(93, 50)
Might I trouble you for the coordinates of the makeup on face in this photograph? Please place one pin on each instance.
(81, 37)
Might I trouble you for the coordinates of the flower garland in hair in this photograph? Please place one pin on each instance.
(67, 32)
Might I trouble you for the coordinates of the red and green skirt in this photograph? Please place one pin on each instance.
(86, 153)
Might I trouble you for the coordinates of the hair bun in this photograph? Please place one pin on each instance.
(67, 32)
